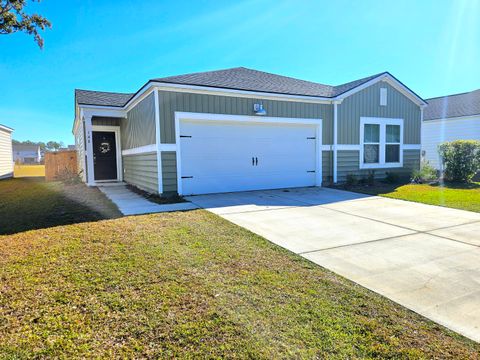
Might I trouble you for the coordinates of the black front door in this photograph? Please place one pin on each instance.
(104, 155)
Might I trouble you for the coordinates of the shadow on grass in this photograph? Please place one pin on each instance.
(32, 203)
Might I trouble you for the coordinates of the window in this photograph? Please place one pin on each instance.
(371, 141)
(392, 144)
(381, 143)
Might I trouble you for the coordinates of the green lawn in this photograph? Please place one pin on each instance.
(32, 203)
(189, 284)
(458, 196)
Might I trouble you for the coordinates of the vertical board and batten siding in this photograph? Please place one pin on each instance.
(366, 103)
(170, 102)
(349, 162)
(138, 129)
(105, 121)
(141, 170)
(435, 132)
(6, 155)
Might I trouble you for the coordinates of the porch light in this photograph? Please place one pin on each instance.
(259, 110)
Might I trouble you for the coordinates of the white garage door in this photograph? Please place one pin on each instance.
(219, 156)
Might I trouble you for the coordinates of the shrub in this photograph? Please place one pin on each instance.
(370, 180)
(391, 178)
(68, 177)
(351, 180)
(426, 173)
(461, 159)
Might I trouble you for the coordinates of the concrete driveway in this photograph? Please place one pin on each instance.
(424, 257)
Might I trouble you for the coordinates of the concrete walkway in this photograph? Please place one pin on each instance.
(131, 203)
(424, 257)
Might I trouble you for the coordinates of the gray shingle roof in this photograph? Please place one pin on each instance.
(25, 147)
(241, 78)
(464, 104)
(101, 98)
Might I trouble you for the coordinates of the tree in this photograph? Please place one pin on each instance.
(13, 18)
(54, 145)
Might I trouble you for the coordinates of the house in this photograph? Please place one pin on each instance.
(27, 154)
(241, 129)
(6, 162)
(449, 118)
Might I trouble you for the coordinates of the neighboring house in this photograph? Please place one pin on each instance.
(27, 154)
(240, 129)
(6, 162)
(449, 118)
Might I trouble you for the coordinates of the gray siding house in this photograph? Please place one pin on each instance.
(241, 129)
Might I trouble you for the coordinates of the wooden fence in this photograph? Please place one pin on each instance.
(60, 165)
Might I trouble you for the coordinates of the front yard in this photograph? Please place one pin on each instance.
(186, 284)
(458, 196)
(32, 203)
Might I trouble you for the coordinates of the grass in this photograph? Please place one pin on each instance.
(32, 203)
(28, 170)
(458, 196)
(189, 285)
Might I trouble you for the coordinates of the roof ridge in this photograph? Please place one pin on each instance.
(108, 92)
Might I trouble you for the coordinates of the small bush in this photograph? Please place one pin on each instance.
(351, 180)
(426, 173)
(68, 177)
(391, 178)
(461, 159)
(370, 180)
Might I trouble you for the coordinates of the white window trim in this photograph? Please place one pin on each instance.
(383, 122)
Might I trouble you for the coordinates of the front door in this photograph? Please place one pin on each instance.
(104, 155)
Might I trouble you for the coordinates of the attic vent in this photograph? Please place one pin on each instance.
(383, 96)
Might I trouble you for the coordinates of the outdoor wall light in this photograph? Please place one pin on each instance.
(259, 110)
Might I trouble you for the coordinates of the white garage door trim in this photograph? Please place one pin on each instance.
(179, 116)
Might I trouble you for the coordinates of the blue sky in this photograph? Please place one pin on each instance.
(431, 46)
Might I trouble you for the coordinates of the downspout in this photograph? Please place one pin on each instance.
(335, 140)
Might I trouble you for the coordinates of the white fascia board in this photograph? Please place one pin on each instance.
(240, 93)
(103, 111)
(391, 81)
(147, 88)
(6, 128)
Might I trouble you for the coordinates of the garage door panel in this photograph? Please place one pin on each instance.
(217, 156)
